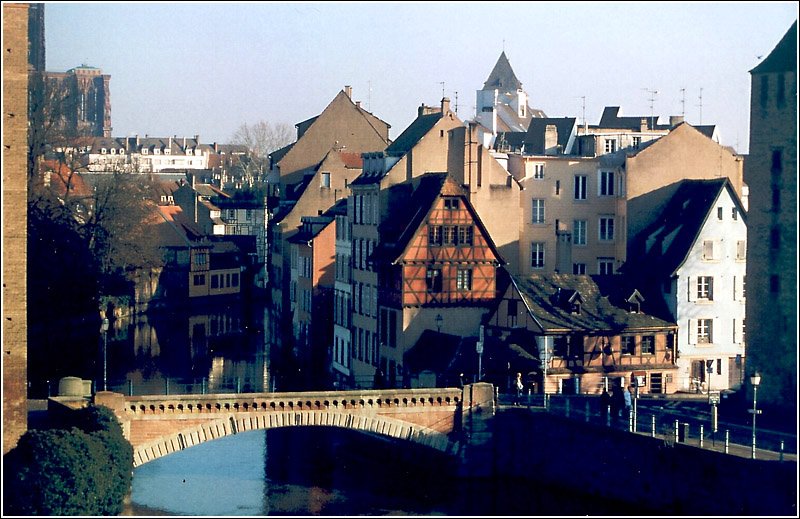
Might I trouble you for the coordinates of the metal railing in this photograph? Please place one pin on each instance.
(662, 423)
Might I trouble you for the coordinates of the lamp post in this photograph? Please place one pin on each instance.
(439, 320)
(479, 351)
(104, 330)
(755, 380)
(545, 344)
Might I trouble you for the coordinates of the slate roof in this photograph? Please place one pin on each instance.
(278, 154)
(783, 57)
(309, 232)
(502, 76)
(677, 228)
(534, 137)
(612, 119)
(513, 140)
(411, 135)
(603, 309)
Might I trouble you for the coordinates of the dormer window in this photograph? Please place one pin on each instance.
(635, 302)
(451, 203)
(113, 151)
(156, 151)
(103, 151)
(144, 151)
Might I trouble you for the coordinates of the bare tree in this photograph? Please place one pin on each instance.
(263, 137)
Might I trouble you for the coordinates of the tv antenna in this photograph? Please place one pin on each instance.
(683, 102)
(442, 83)
(583, 110)
(456, 96)
(652, 100)
(701, 105)
(369, 96)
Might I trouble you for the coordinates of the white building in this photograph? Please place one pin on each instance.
(696, 251)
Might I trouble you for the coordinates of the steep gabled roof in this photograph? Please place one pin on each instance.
(600, 309)
(612, 119)
(783, 57)
(673, 234)
(399, 233)
(411, 135)
(502, 76)
(534, 137)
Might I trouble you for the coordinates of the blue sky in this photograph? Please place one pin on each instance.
(206, 68)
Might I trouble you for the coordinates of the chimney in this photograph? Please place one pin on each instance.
(170, 145)
(216, 148)
(358, 104)
(445, 105)
(348, 91)
(421, 110)
(197, 139)
(643, 124)
(184, 144)
(137, 141)
(550, 139)
(675, 120)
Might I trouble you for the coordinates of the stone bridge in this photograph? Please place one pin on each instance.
(159, 425)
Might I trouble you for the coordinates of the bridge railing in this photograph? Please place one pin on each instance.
(658, 422)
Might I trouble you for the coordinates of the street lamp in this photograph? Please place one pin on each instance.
(479, 351)
(439, 320)
(545, 344)
(104, 330)
(755, 380)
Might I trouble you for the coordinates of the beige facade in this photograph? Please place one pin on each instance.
(685, 153)
(771, 173)
(15, 229)
(343, 124)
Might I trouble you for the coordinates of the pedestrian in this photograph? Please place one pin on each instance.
(628, 405)
(605, 403)
(519, 387)
(617, 402)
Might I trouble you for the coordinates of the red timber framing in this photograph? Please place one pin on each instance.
(450, 260)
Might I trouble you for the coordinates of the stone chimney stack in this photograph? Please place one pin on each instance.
(643, 124)
(348, 90)
(445, 105)
(550, 139)
(675, 120)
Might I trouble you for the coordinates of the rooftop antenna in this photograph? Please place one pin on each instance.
(652, 99)
(701, 105)
(442, 83)
(683, 102)
(456, 95)
(369, 96)
(504, 44)
(583, 112)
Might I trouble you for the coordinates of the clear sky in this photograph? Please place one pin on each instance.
(206, 68)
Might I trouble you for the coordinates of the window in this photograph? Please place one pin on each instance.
(734, 213)
(777, 164)
(451, 203)
(648, 345)
(580, 187)
(704, 329)
(708, 249)
(781, 98)
(775, 237)
(605, 266)
(579, 268)
(741, 249)
(606, 229)
(637, 141)
(579, 232)
(764, 94)
(326, 179)
(537, 210)
(199, 279)
(537, 255)
(744, 287)
(627, 345)
(719, 213)
(465, 233)
(464, 279)
(433, 279)
(558, 187)
(435, 235)
(610, 145)
(705, 287)
(214, 281)
(450, 235)
(538, 171)
(605, 185)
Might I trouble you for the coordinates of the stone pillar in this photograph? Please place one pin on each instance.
(115, 402)
(478, 410)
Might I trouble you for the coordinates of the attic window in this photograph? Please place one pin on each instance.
(451, 203)
(635, 302)
(325, 179)
(102, 151)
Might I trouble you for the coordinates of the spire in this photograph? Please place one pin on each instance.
(502, 76)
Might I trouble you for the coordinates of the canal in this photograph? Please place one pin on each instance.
(293, 471)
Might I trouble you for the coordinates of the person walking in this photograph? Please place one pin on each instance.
(628, 402)
(519, 386)
(605, 404)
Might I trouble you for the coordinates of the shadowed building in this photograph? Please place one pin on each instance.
(771, 173)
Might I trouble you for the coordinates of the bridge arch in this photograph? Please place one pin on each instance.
(233, 423)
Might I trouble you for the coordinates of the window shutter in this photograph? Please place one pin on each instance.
(692, 331)
(735, 332)
(711, 331)
(692, 288)
(711, 288)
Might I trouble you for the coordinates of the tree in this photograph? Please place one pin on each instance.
(263, 137)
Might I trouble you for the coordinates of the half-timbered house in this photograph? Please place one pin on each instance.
(580, 334)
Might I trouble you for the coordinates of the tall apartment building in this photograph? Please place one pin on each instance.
(771, 173)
